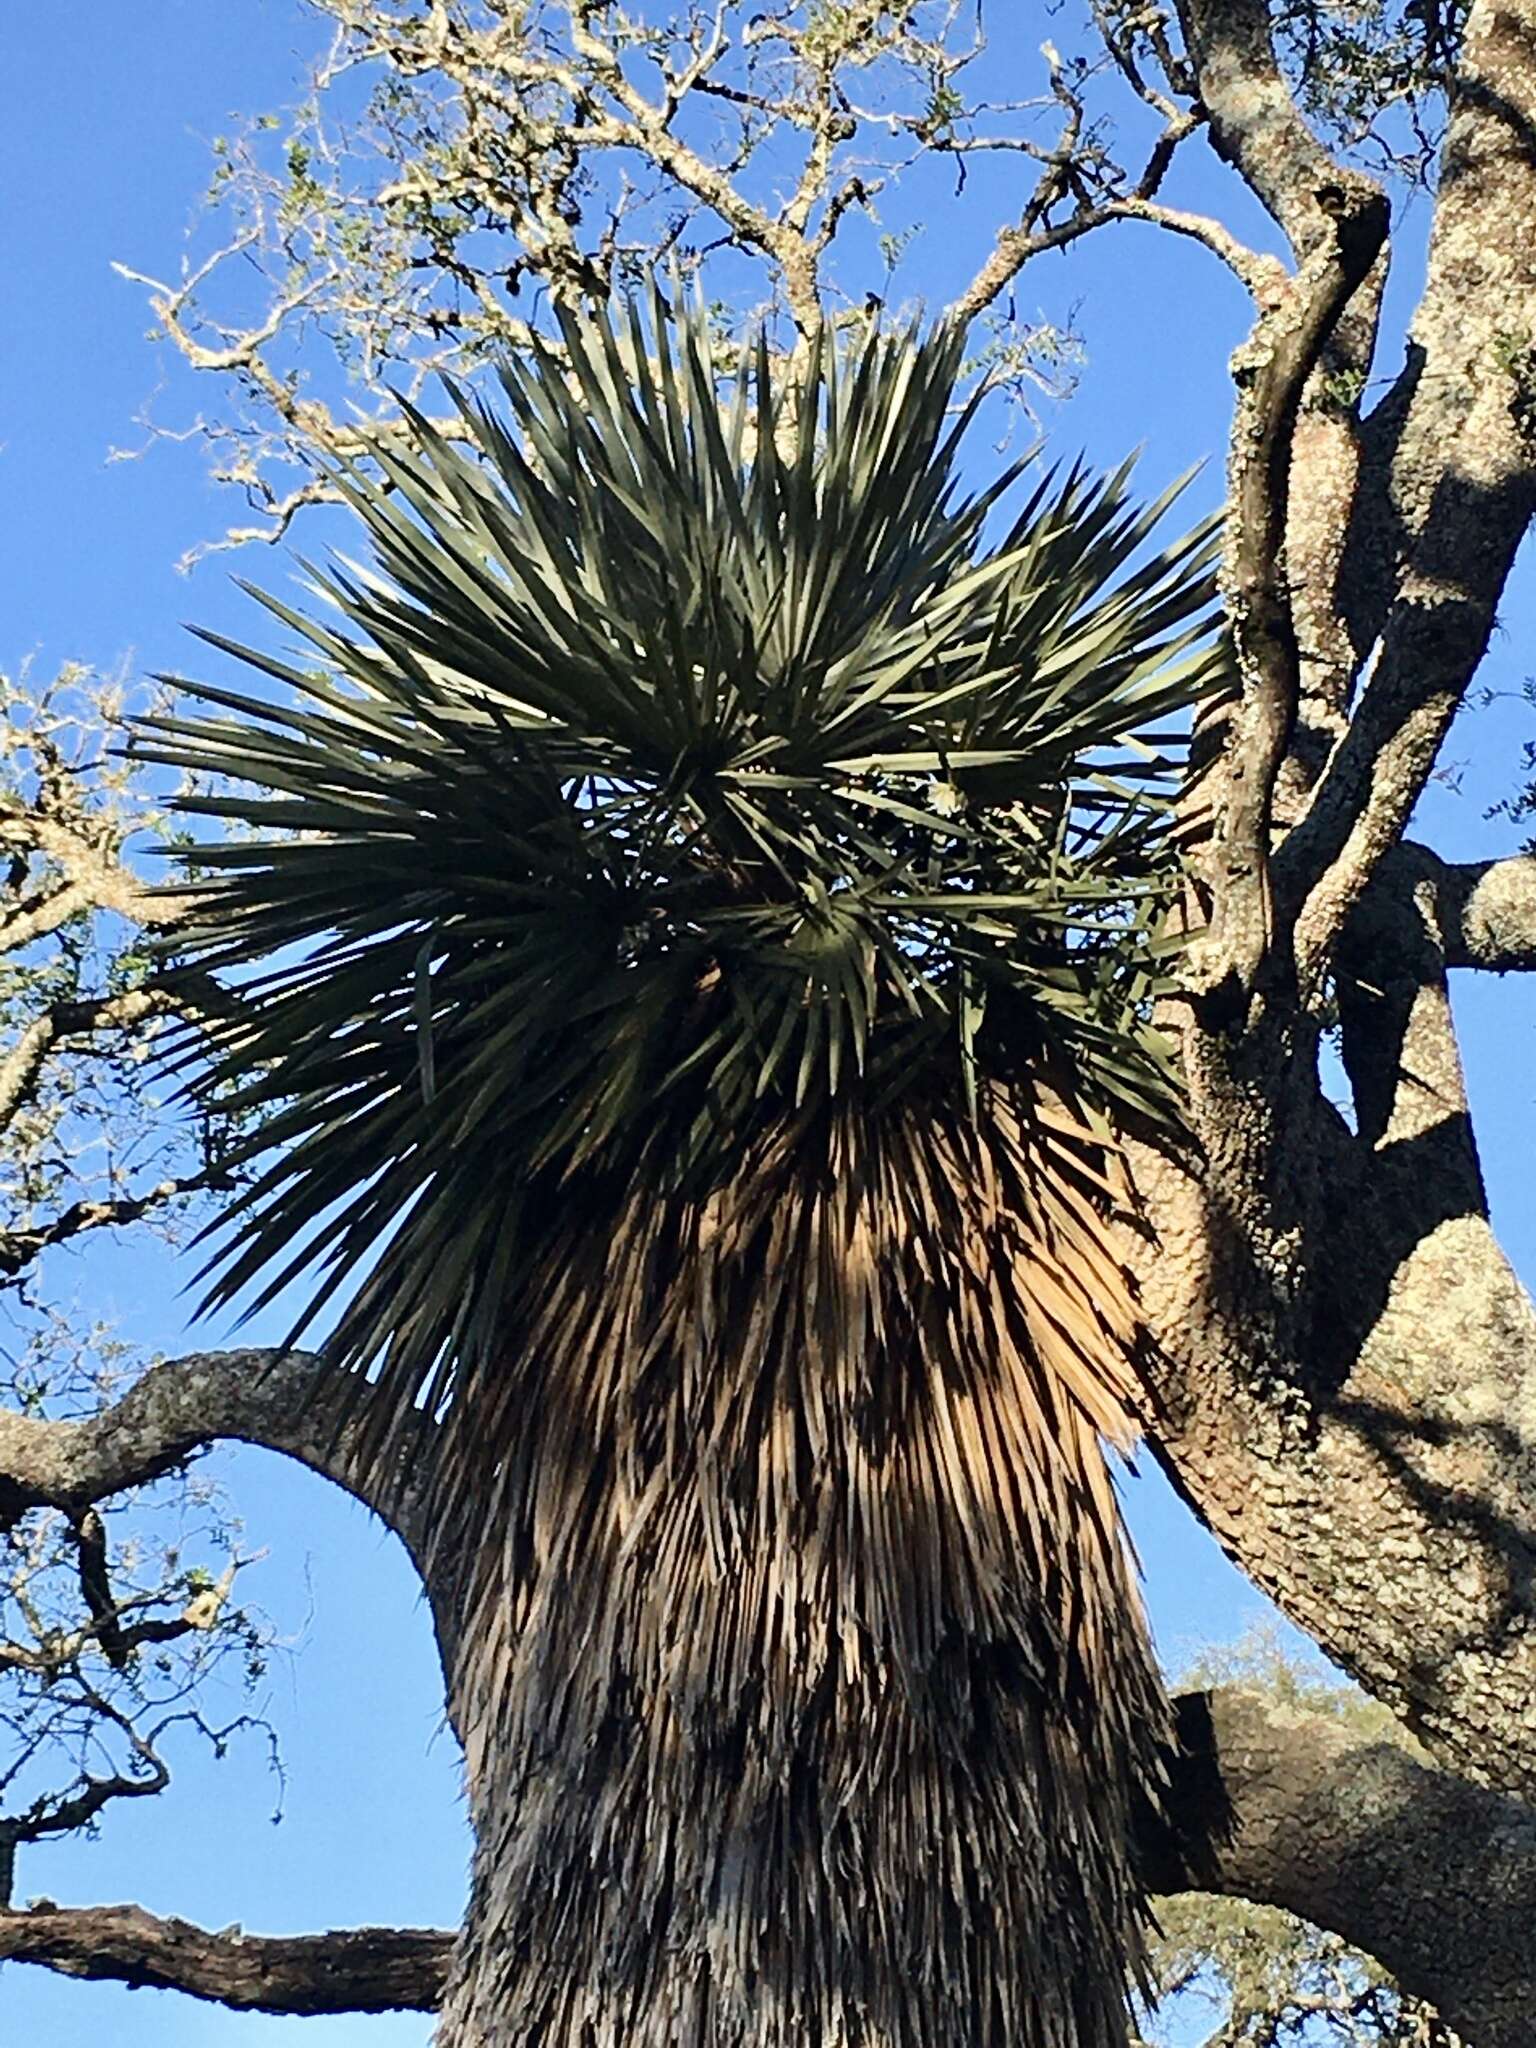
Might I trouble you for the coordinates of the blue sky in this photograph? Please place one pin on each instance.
(103, 151)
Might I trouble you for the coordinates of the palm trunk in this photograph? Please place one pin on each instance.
(804, 1690)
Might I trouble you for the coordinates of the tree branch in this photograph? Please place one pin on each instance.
(95, 878)
(1272, 371)
(1482, 913)
(42, 913)
(1258, 128)
(1336, 221)
(286, 1401)
(365, 1969)
(1462, 484)
(1432, 1875)
(1486, 912)
(1069, 175)
(1255, 123)
(21, 1249)
(73, 1019)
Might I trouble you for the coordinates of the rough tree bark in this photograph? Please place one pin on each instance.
(354, 1969)
(1348, 1363)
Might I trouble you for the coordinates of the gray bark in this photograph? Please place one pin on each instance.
(353, 1969)
(1433, 1876)
(281, 1400)
(1347, 1376)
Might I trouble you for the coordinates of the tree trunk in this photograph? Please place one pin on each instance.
(1346, 1361)
(803, 1687)
(887, 1865)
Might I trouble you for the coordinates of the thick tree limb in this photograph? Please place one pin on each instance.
(1461, 483)
(1433, 1876)
(1255, 123)
(282, 1400)
(1486, 912)
(1482, 913)
(1348, 1380)
(364, 1969)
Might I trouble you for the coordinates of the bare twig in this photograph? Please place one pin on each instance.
(76, 1019)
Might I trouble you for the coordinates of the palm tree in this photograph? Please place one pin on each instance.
(696, 936)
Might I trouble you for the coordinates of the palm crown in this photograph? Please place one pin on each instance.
(690, 761)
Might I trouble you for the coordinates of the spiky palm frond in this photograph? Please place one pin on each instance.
(649, 782)
(699, 930)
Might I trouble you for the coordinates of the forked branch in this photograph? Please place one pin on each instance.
(1272, 370)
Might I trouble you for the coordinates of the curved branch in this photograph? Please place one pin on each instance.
(287, 1401)
(1255, 123)
(1432, 1875)
(363, 1969)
